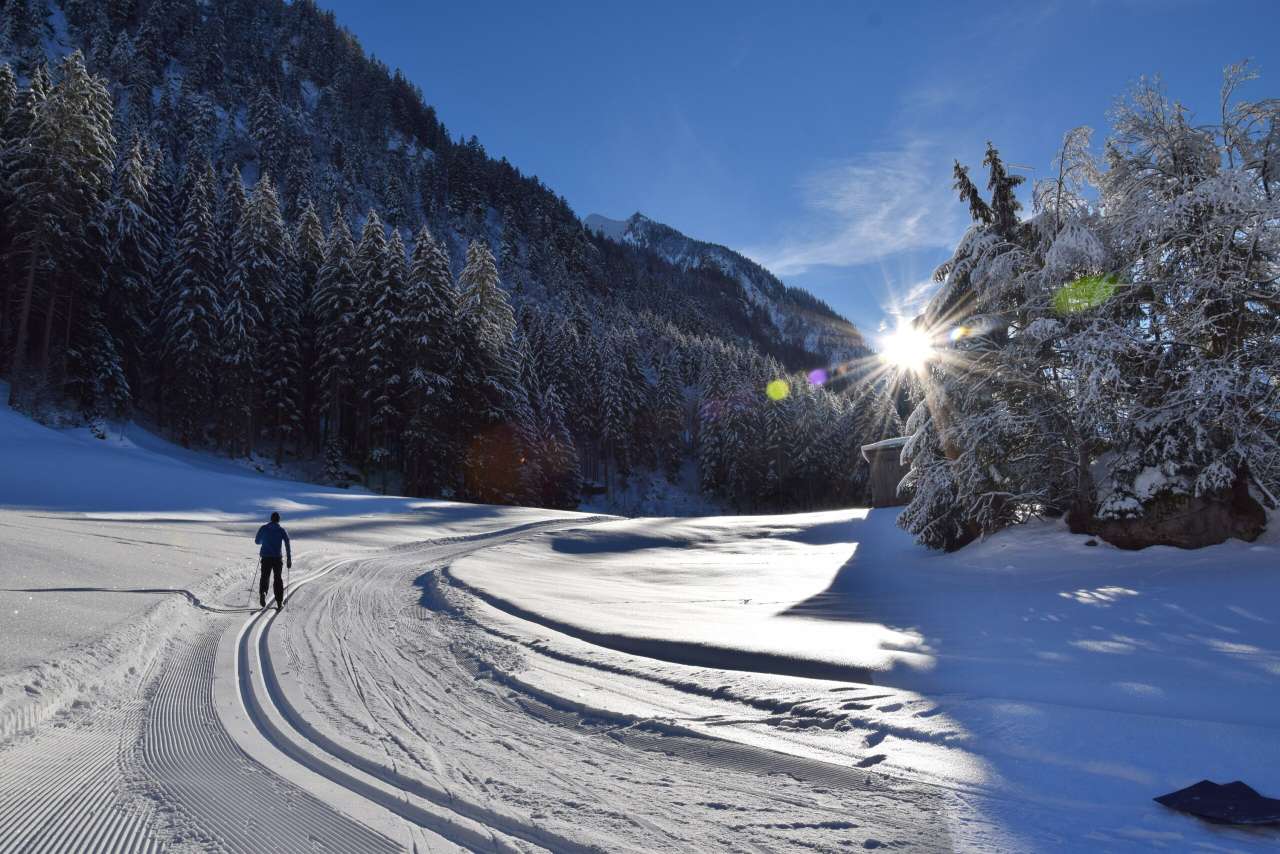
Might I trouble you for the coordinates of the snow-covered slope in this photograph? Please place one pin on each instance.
(450, 676)
(801, 319)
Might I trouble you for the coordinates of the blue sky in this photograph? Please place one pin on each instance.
(816, 137)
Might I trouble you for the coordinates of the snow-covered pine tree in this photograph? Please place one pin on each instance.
(670, 417)
(486, 378)
(263, 260)
(528, 428)
(95, 370)
(9, 105)
(483, 299)
(12, 157)
(266, 131)
(308, 258)
(241, 322)
(337, 332)
(382, 350)
(616, 400)
(130, 284)
(192, 317)
(550, 474)
(59, 181)
(431, 347)
(562, 476)
(369, 265)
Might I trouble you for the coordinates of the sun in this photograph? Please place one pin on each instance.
(907, 348)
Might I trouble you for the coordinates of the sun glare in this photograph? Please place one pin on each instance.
(907, 348)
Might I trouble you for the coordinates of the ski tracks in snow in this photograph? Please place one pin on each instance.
(368, 660)
(369, 716)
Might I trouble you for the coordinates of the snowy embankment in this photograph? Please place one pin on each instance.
(106, 544)
(1068, 682)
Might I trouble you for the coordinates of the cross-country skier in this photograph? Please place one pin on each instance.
(270, 536)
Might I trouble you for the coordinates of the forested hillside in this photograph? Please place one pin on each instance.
(225, 216)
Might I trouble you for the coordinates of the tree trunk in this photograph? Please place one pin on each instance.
(48, 331)
(24, 319)
(6, 305)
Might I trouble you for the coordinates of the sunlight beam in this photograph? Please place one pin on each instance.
(907, 348)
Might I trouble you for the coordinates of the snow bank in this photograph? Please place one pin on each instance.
(716, 592)
(1071, 683)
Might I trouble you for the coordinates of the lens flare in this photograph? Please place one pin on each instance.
(907, 348)
(1083, 294)
(817, 377)
(777, 389)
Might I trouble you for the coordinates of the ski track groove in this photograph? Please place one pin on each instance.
(382, 633)
(218, 788)
(137, 774)
(60, 788)
(253, 649)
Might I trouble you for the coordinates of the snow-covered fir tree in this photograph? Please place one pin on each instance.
(129, 286)
(1112, 359)
(192, 316)
(382, 351)
(430, 334)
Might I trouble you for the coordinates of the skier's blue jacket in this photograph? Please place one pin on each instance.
(270, 536)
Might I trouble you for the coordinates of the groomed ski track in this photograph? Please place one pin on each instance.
(375, 713)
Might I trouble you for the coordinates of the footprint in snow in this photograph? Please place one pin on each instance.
(875, 738)
(891, 707)
(875, 759)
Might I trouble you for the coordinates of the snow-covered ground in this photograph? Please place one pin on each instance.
(449, 675)
(1066, 683)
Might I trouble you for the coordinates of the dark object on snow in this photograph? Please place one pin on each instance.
(1230, 803)
(1185, 521)
(1090, 542)
(887, 471)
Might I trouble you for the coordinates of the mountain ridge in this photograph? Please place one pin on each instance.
(804, 320)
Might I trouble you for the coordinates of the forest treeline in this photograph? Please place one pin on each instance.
(413, 314)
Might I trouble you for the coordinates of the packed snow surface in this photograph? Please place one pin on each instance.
(450, 676)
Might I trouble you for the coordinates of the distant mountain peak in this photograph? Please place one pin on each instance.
(802, 319)
(614, 229)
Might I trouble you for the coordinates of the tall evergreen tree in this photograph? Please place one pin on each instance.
(669, 417)
(486, 378)
(129, 286)
(381, 355)
(431, 347)
(59, 184)
(308, 259)
(262, 259)
(192, 316)
(334, 304)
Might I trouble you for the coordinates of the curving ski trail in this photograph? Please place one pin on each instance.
(369, 673)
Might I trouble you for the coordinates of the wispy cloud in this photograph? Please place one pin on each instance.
(869, 208)
(907, 303)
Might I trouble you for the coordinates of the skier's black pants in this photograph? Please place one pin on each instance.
(271, 565)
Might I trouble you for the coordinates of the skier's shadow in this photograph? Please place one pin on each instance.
(190, 597)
